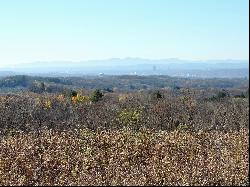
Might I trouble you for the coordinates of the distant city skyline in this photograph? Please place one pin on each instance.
(80, 30)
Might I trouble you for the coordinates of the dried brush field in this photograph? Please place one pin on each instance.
(169, 137)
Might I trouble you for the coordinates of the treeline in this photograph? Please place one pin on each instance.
(110, 83)
(35, 84)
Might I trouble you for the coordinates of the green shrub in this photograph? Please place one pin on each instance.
(96, 96)
(158, 95)
(73, 93)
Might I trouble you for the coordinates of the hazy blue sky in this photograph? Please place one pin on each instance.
(35, 30)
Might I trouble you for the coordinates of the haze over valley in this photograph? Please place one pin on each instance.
(134, 66)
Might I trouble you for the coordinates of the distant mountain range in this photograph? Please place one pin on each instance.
(140, 66)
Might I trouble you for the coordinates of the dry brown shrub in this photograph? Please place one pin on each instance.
(125, 157)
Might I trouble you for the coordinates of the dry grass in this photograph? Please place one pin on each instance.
(125, 157)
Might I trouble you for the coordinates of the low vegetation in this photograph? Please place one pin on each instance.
(124, 157)
(168, 136)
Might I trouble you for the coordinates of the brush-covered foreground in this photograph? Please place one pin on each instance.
(124, 157)
(183, 137)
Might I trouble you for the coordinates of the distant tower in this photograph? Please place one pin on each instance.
(154, 69)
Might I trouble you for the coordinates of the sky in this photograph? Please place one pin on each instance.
(75, 30)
